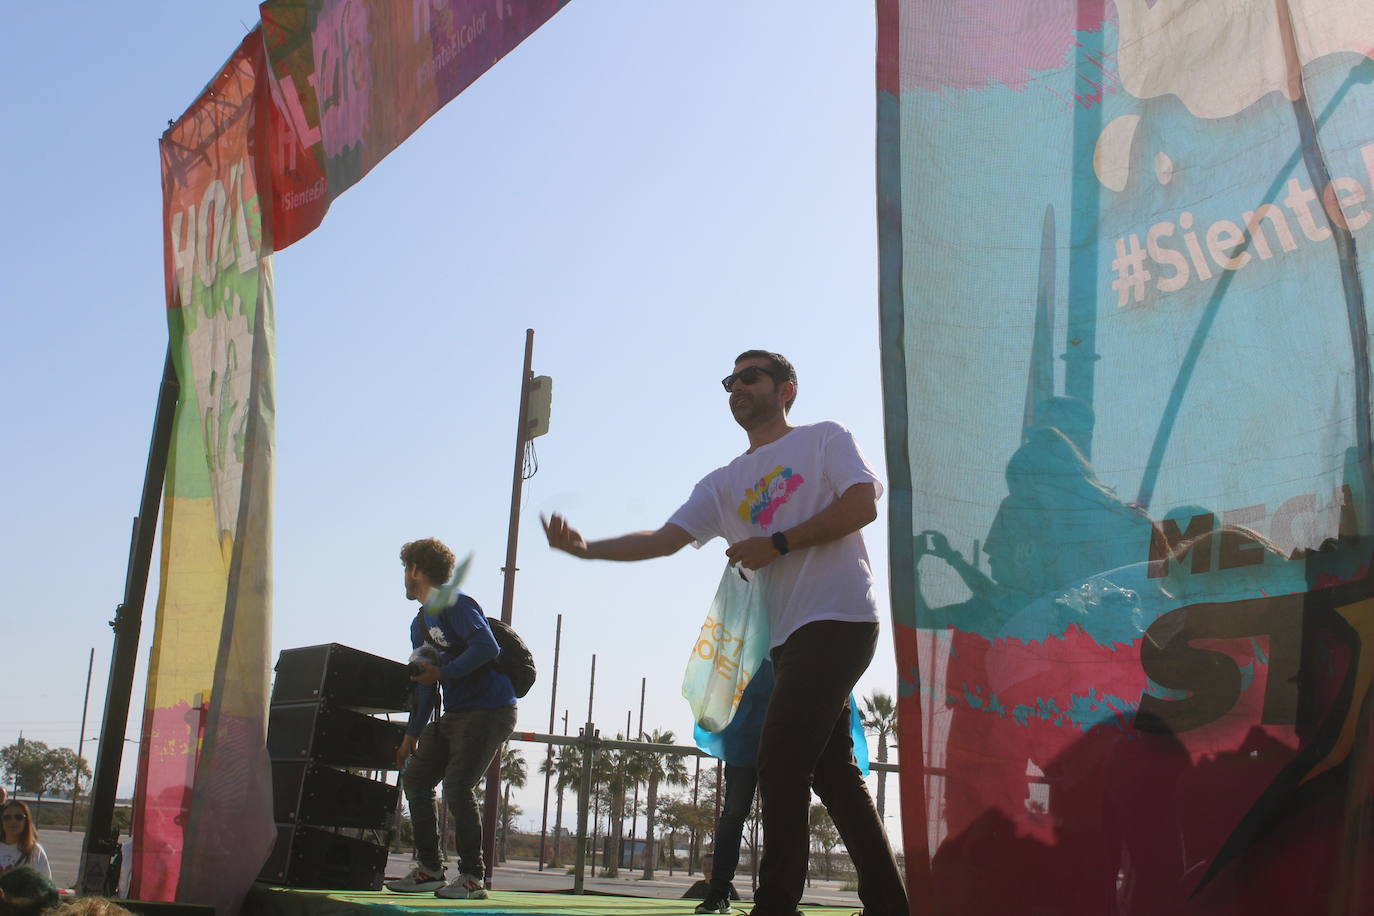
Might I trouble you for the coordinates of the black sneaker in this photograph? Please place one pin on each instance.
(714, 903)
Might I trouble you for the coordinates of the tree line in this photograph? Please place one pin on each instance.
(618, 775)
(35, 768)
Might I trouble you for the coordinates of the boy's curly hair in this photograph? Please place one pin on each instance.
(432, 557)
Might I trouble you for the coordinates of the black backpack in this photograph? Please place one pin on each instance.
(516, 661)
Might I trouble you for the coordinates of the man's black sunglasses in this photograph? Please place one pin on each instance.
(749, 375)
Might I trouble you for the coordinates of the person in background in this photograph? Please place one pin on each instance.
(126, 864)
(737, 746)
(20, 845)
(702, 888)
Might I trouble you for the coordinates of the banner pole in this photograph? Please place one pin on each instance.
(100, 845)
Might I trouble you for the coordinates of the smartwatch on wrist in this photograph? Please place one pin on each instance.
(780, 543)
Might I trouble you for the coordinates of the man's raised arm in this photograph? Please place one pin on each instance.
(641, 545)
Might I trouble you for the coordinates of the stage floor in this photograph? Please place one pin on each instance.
(267, 900)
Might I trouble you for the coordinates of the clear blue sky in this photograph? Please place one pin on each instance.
(652, 187)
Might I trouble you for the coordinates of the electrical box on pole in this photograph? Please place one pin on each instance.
(540, 402)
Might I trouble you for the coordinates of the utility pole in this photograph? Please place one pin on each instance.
(694, 848)
(634, 810)
(585, 791)
(528, 425)
(548, 774)
(81, 742)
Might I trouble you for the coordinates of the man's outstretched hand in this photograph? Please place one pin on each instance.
(563, 536)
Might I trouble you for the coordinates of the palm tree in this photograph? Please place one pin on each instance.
(616, 770)
(513, 772)
(567, 772)
(880, 715)
(636, 769)
(660, 769)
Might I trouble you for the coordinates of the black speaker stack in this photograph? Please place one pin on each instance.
(325, 736)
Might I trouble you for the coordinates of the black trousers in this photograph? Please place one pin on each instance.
(805, 745)
(740, 783)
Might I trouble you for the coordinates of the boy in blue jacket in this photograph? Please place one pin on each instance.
(478, 717)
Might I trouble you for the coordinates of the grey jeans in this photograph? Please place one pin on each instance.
(457, 750)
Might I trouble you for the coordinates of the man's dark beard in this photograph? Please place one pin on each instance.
(751, 412)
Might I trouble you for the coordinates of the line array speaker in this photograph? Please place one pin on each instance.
(308, 793)
(333, 735)
(312, 857)
(341, 676)
(318, 729)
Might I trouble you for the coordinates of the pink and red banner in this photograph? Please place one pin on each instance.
(352, 79)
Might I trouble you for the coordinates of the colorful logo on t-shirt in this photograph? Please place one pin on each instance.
(768, 495)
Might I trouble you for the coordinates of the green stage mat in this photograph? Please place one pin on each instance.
(267, 900)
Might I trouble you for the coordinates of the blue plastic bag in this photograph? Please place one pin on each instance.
(732, 643)
(738, 743)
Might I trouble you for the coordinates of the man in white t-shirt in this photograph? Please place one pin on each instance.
(791, 508)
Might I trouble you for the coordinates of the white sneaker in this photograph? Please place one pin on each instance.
(420, 881)
(464, 887)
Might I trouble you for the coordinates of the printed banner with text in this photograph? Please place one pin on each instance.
(354, 78)
(203, 814)
(1127, 390)
(310, 101)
